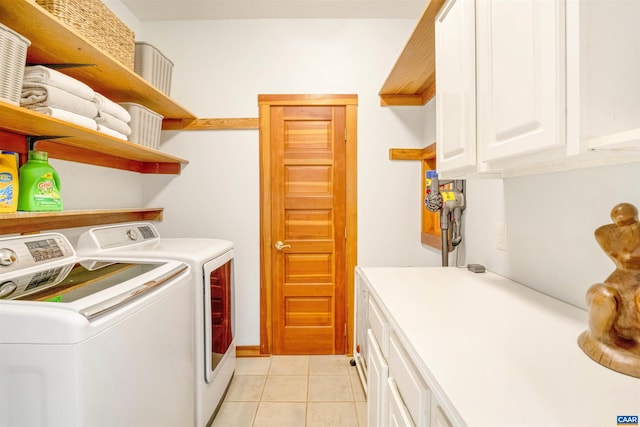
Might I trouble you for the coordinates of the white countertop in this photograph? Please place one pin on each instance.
(502, 354)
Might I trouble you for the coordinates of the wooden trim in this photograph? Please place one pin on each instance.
(266, 273)
(34, 222)
(307, 99)
(428, 152)
(249, 351)
(211, 124)
(352, 217)
(413, 78)
(265, 102)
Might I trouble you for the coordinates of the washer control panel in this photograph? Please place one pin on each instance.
(118, 236)
(19, 253)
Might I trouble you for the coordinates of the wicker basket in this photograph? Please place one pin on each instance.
(95, 22)
(146, 125)
(13, 54)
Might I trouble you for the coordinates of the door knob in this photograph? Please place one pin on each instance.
(280, 246)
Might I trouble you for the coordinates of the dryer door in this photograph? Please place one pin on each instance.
(218, 311)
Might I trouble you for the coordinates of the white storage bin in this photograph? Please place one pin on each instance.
(145, 124)
(153, 66)
(13, 55)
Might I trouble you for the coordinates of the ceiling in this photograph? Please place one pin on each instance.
(170, 10)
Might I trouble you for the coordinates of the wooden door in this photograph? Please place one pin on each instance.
(306, 295)
(308, 216)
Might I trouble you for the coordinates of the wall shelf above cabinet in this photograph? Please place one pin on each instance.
(52, 42)
(34, 222)
(412, 81)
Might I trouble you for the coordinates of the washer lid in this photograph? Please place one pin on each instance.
(70, 282)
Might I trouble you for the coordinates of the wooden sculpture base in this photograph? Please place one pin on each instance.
(616, 358)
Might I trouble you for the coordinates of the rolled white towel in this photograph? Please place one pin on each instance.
(68, 116)
(108, 106)
(36, 95)
(51, 77)
(111, 132)
(112, 122)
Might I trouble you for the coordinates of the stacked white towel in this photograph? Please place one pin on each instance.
(50, 92)
(112, 118)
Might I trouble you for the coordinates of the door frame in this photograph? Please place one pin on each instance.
(350, 102)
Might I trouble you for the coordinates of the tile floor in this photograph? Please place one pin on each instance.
(294, 391)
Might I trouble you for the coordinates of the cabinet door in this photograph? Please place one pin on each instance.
(378, 371)
(398, 414)
(438, 417)
(413, 390)
(456, 93)
(520, 77)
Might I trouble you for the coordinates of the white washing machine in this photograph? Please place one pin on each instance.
(92, 342)
(213, 291)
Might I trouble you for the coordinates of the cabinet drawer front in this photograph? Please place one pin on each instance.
(398, 414)
(412, 387)
(379, 325)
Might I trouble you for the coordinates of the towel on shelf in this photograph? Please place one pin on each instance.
(112, 122)
(111, 132)
(51, 77)
(106, 105)
(36, 95)
(68, 116)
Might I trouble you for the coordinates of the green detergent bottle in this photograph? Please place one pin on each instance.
(39, 185)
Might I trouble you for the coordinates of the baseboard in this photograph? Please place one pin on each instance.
(249, 351)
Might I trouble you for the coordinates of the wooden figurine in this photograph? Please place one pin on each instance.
(613, 337)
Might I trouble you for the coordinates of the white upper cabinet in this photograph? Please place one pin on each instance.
(520, 77)
(535, 86)
(456, 92)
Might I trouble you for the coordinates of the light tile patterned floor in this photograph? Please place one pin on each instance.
(294, 391)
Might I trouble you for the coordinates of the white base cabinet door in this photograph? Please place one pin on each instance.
(398, 413)
(521, 78)
(378, 372)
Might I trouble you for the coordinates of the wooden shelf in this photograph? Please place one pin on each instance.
(412, 80)
(80, 144)
(430, 234)
(34, 222)
(52, 41)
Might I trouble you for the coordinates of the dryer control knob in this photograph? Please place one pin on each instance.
(131, 234)
(7, 257)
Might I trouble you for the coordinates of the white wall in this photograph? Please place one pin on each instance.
(220, 68)
(550, 222)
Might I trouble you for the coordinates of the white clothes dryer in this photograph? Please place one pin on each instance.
(211, 261)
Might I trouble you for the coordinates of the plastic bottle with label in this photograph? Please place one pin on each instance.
(8, 182)
(39, 185)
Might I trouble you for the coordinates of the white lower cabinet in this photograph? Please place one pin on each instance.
(397, 392)
(378, 372)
